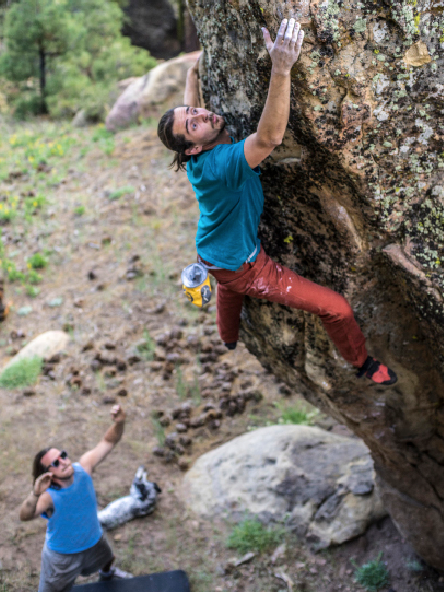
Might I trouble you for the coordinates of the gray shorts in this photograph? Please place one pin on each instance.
(58, 572)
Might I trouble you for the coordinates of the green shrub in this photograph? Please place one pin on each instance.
(251, 535)
(372, 575)
(297, 415)
(12, 272)
(32, 291)
(79, 211)
(38, 261)
(33, 278)
(22, 373)
(27, 106)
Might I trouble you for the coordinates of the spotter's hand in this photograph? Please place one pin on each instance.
(286, 49)
(42, 483)
(118, 414)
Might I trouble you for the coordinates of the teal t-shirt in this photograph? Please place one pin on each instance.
(231, 201)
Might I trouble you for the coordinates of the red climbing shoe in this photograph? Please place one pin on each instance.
(374, 370)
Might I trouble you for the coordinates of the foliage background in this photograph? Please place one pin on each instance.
(65, 55)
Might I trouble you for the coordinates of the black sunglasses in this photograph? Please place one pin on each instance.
(55, 463)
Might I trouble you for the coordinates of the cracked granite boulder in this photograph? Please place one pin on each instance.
(354, 200)
(320, 485)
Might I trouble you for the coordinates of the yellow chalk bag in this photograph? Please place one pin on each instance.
(196, 284)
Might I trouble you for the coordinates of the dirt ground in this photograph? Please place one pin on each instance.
(113, 282)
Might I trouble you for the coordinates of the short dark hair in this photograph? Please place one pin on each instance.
(37, 467)
(177, 142)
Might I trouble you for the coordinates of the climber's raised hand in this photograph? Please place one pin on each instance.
(287, 46)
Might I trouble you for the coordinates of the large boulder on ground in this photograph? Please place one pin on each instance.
(354, 200)
(44, 346)
(320, 484)
(162, 88)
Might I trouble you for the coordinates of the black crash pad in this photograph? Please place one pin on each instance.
(167, 581)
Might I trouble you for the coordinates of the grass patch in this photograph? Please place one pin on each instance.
(159, 432)
(373, 575)
(147, 347)
(22, 373)
(251, 535)
(118, 193)
(296, 415)
(201, 581)
(181, 385)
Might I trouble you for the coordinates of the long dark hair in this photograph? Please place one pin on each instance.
(37, 467)
(177, 142)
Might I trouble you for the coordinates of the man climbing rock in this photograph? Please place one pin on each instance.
(225, 178)
(63, 493)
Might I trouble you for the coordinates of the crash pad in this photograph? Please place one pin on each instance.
(167, 581)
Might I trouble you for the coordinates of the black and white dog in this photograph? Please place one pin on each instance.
(140, 502)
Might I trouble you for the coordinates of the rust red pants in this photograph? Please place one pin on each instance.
(268, 280)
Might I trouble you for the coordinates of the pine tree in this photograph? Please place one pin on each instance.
(74, 48)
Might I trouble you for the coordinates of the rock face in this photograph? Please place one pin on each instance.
(320, 484)
(354, 200)
(153, 26)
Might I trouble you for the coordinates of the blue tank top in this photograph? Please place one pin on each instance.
(73, 526)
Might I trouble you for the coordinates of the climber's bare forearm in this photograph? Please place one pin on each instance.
(192, 90)
(274, 118)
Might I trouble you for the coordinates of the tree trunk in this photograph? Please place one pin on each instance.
(354, 200)
(42, 81)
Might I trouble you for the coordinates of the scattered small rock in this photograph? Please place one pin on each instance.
(110, 372)
(183, 464)
(55, 359)
(18, 334)
(91, 275)
(88, 346)
(29, 393)
(134, 359)
(122, 393)
(185, 441)
(109, 400)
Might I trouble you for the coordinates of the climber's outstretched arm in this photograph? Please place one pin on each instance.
(283, 53)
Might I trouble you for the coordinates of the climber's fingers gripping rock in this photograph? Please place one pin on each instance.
(287, 46)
